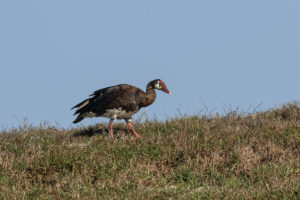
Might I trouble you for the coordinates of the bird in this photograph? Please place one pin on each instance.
(118, 102)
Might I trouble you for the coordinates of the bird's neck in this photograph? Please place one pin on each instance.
(150, 96)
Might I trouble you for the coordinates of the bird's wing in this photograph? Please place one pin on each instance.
(119, 96)
(106, 91)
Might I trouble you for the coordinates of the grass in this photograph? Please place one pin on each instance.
(236, 156)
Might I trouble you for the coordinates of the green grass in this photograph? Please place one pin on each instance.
(254, 156)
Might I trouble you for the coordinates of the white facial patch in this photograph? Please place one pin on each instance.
(157, 85)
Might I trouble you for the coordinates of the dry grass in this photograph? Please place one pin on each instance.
(236, 156)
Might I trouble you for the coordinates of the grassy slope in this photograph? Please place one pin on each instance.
(238, 157)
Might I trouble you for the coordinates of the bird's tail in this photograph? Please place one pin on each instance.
(78, 119)
(82, 108)
(81, 104)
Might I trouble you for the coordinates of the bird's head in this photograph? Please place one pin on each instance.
(160, 85)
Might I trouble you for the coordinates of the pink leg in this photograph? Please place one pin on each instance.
(110, 128)
(132, 130)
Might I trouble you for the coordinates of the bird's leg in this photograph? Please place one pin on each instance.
(131, 128)
(110, 128)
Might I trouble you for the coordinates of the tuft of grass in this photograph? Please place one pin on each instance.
(236, 156)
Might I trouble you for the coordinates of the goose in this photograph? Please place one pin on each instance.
(118, 102)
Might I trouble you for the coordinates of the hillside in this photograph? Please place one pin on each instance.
(233, 157)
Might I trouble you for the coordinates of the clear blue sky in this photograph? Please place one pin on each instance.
(53, 54)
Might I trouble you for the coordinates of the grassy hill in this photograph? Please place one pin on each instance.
(209, 157)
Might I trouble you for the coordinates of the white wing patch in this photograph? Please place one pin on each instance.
(118, 113)
(84, 104)
(89, 115)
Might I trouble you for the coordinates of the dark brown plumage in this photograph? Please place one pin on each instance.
(118, 102)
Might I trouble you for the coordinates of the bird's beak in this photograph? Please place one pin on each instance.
(165, 89)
